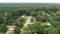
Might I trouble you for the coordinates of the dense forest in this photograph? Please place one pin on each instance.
(45, 18)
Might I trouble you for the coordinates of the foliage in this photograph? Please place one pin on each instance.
(41, 13)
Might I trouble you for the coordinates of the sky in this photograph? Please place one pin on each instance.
(29, 1)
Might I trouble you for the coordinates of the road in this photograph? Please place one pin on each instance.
(28, 21)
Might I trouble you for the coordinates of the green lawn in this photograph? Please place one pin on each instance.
(2, 33)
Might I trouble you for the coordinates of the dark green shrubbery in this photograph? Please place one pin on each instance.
(9, 15)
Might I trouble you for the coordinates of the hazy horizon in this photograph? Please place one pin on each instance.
(29, 1)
